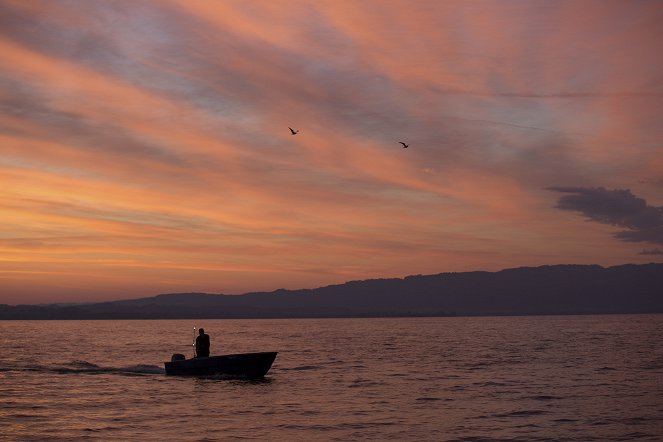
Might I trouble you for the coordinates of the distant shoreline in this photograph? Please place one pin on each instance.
(524, 291)
(267, 318)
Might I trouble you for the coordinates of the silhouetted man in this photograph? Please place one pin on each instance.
(202, 344)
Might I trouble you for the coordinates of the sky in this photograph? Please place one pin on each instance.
(145, 149)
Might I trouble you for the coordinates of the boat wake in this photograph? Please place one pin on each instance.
(84, 367)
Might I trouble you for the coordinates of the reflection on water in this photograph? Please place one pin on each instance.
(522, 378)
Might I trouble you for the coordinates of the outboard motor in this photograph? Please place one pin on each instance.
(177, 357)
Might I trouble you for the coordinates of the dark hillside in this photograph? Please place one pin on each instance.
(546, 290)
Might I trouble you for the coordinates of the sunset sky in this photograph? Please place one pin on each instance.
(145, 149)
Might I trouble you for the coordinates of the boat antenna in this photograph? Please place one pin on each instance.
(193, 344)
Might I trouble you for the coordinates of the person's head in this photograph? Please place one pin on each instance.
(201, 331)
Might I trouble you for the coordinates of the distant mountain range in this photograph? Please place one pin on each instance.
(546, 290)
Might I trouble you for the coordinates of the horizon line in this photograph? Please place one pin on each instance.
(281, 289)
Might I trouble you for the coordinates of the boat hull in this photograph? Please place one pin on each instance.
(245, 365)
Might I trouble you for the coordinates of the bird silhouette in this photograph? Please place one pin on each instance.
(405, 146)
(293, 131)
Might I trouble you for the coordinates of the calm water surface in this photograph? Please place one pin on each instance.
(577, 378)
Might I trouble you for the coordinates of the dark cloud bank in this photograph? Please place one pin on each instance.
(643, 223)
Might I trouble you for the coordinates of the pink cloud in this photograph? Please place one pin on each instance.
(144, 147)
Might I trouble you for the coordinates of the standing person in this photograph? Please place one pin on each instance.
(202, 344)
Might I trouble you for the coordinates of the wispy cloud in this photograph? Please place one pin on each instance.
(146, 142)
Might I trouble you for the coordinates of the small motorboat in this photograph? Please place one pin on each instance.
(244, 365)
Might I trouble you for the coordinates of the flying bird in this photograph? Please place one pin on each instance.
(405, 146)
(293, 131)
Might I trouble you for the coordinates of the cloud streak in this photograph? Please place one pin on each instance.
(652, 252)
(145, 144)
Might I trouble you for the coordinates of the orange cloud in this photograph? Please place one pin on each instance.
(144, 146)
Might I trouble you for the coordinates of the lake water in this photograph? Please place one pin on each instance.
(558, 378)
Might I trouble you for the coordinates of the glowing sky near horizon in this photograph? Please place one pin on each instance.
(144, 145)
